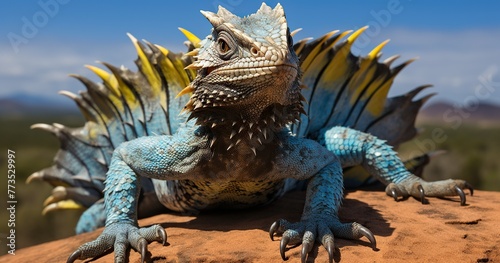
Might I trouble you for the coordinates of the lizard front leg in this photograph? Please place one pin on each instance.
(160, 157)
(320, 222)
(358, 148)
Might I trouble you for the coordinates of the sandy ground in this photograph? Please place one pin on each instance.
(406, 231)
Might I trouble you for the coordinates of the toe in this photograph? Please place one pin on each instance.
(328, 241)
(139, 243)
(354, 231)
(142, 248)
(307, 245)
(419, 192)
(290, 237)
(120, 247)
(283, 243)
(93, 248)
(154, 233)
(394, 191)
(368, 234)
(329, 245)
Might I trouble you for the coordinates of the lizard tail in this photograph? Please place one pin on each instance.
(125, 106)
(351, 91)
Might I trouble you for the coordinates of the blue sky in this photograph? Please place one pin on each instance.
(457, 42)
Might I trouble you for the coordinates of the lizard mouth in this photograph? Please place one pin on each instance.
(249, 72)
(221, 87)
(209, 70)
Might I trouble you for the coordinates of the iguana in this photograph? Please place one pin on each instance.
(263, 115)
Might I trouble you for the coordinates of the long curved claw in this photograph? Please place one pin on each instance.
(470, 187)
(422, 194)
(368, 234)
(64, 204)
(394, 194)
(74, 256)
(330, 248)
(273, 229)
(460, 193)
(35, 176)
(284, 242)
(142, 247)
(163, 235)
(154, 233)
(306, 248)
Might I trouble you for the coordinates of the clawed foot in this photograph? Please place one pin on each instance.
(119, 236)
(319, 230)
(420, 189)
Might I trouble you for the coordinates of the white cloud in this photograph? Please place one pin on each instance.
(42, 69)
(452, 61)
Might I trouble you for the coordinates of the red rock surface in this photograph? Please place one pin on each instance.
(407, 231)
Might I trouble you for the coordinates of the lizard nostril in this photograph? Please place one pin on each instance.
(254, 51)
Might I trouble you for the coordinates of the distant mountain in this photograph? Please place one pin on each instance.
(18, 105)
(445, 112)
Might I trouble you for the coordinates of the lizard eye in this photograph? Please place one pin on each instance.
(223, 46)
(226, 46)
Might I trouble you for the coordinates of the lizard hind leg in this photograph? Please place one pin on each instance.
(354, 147)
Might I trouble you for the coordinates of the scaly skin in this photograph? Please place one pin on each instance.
(237, 151)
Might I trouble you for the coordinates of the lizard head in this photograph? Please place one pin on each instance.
(248, 72)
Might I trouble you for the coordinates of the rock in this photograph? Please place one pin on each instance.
(406, 231)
